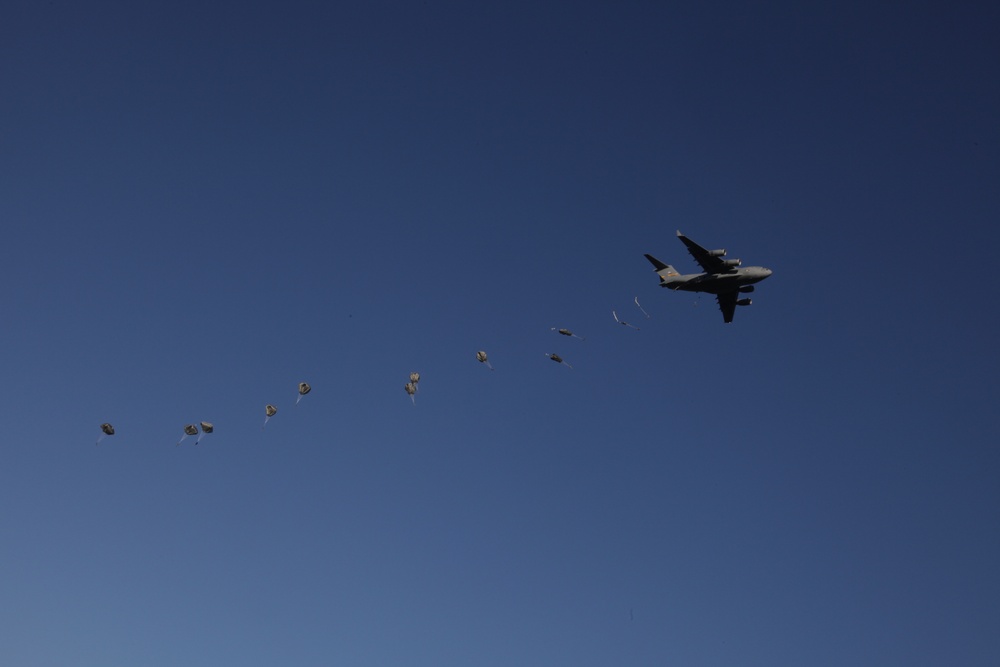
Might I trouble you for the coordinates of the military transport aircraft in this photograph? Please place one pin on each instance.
(723, 277)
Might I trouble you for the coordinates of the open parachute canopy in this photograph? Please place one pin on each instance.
(269, 411)
(304, 389)
(206, 427)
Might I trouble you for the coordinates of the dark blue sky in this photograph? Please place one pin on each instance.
(205, 205)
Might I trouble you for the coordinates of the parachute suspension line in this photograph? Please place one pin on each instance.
(411, 388)
(106, 430)
(189, 429)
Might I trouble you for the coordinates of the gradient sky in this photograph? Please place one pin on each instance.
(205, 204)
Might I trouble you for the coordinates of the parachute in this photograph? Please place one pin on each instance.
(206, 427)
(106, 430)
(304, 389)
(567, 332)
(641, 308)
(483, 359)
(556, 358)
(411, 389)
(189, 429)
(270, 411)
(623, 322)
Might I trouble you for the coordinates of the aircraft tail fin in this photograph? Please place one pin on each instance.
(663, 270)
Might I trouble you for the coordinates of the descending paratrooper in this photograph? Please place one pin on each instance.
(411, 389)
(206, 427)
(189, 429)
(623, 322)
(269, 411)
(106, 430)
(641, 308)
(556, 358)
(304, 389)
(567, 332)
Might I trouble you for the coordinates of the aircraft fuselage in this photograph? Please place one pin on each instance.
(717, 283)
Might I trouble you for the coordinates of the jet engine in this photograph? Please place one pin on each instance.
(744, 302)
(721, 252)
(731, 263)
(746, 289)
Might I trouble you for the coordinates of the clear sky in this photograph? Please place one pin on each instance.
(204, 204)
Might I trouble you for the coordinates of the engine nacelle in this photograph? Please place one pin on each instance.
(744, 302)
(731, 263)
(746, 289)
(721, 252)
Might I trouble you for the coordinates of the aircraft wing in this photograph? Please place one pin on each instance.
(727, 302)
(708, 262)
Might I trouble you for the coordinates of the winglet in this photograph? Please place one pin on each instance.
(679, 233)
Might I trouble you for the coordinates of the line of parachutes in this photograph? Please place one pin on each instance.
(412, 387)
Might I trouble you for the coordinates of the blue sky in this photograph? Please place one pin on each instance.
(205, 205)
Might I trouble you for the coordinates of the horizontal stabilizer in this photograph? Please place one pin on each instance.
(655, 262)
